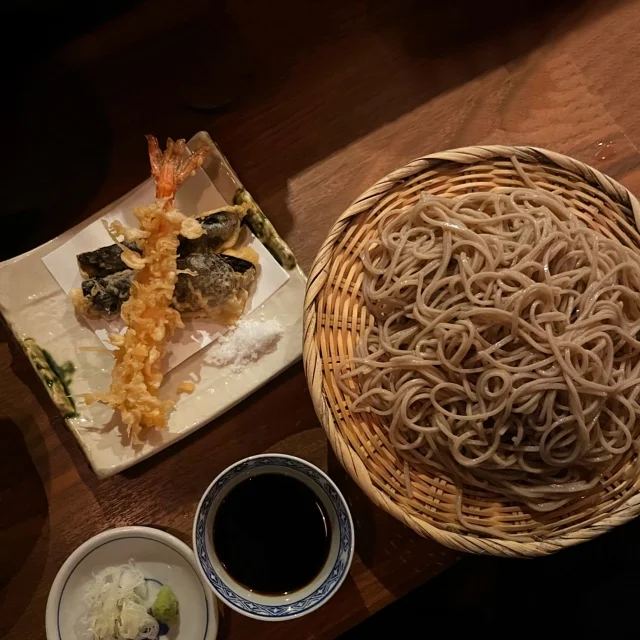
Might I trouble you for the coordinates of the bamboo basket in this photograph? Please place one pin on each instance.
(335, 316)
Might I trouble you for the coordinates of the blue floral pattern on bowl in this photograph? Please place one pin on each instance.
(338, 570)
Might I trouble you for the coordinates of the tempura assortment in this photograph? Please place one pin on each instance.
(171, 265)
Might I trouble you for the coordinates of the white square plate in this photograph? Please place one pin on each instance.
(35, 306)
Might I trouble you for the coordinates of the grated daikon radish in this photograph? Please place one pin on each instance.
(116, 607)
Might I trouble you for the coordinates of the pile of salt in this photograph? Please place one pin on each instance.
(250, 340)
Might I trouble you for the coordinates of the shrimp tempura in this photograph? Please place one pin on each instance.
(137, 374)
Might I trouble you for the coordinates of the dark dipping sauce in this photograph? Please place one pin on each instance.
(272, 534)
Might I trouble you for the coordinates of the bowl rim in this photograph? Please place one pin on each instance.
(348, 456)
(241, 604)
(76, 557)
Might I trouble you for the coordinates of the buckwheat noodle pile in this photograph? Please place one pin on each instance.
(504, 351)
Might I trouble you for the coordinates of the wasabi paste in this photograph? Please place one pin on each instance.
(165, 607)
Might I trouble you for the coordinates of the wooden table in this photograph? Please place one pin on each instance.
(321, 100)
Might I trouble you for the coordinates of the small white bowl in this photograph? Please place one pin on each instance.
(159, 556)
(279, 607)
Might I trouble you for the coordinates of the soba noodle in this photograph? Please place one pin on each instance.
(505, 350)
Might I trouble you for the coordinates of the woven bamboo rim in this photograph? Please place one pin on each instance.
(334, 314)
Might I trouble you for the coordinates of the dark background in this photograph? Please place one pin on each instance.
(587, 591)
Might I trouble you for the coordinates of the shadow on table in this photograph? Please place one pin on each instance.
(21, 367)
(362, 510)
(398, 557)
(60, 143)
(590, 590)
(23, 522)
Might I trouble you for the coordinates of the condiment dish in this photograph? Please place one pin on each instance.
(159, 556)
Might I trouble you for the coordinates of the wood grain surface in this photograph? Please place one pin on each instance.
(312, 102)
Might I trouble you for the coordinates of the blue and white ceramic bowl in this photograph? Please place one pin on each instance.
(298, 603)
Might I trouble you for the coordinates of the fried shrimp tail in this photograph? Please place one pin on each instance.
(171, 168)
